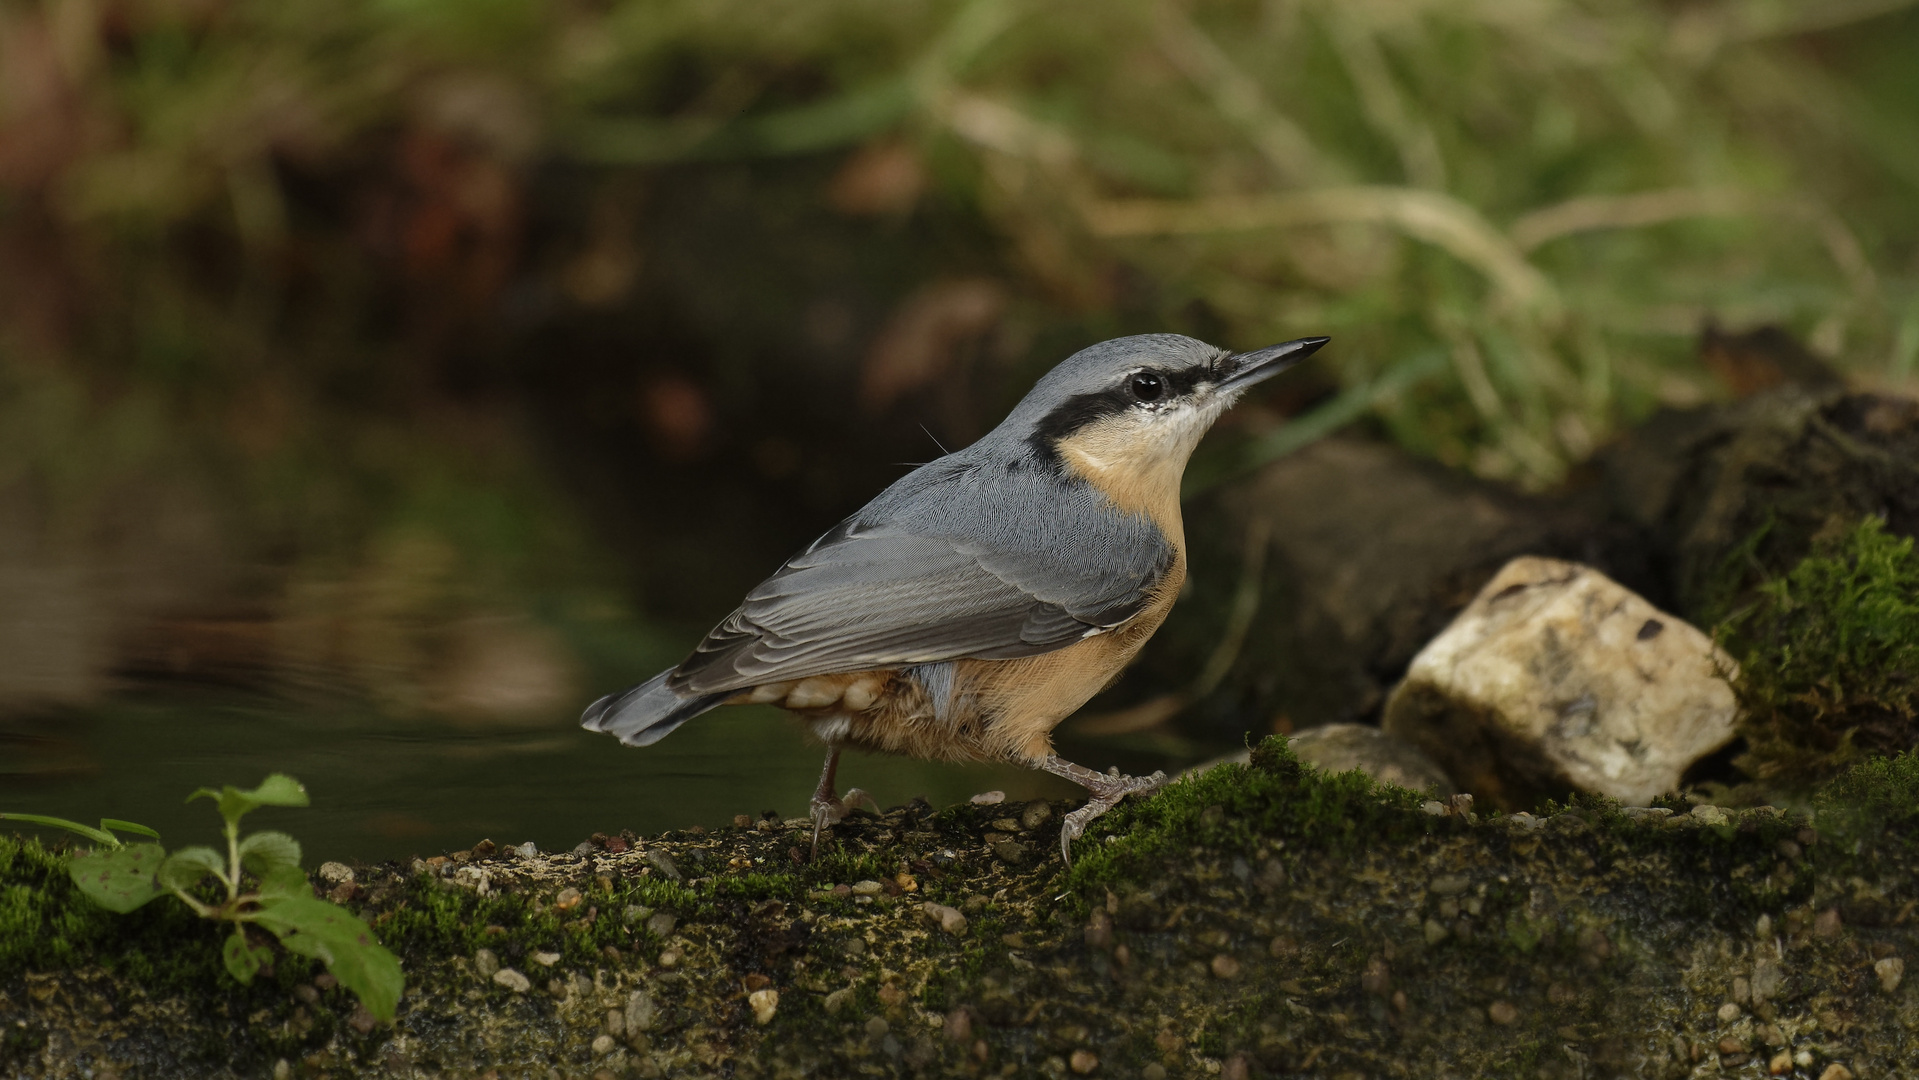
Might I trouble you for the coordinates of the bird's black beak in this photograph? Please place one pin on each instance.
(1245, 369)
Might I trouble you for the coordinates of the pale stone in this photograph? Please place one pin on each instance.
(764, 1003)
(1557, 678)
(1891, 972)
(640, 1012)
(949, 919)
(512, 980)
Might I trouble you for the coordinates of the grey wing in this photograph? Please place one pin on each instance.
(866, 597)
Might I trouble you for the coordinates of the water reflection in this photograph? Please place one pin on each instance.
(387, 788)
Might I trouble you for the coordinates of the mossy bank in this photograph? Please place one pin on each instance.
(1254, 921)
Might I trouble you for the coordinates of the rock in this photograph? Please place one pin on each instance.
(568, 899)
(661, 924)
(1083, 1062)
(1708, 814)
(958, 1026)
(336, 873)
(528, 850)
(640, 1013)
(546, 959)
(1503, 1013)
(838, 1000)
(1225, 967)
(1891, 972)
(1011, 852)
(764, 1004)
(1730, 1013)
(1037, 813)
(866, 888)
(486, 963)
(1836, 1071)
(512, 980)
(1099, 931)
(989, 798)
(949, 919)
(1768, 978)
(603, 1045)
(662, 862)
(1338, 748)
(1557, 678)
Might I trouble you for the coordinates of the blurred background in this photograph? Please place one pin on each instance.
(383, 380)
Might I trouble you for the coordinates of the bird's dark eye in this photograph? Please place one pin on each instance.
(1147, 386)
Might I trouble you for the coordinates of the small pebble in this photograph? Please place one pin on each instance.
(512, 980)
(1035, 815)
(1708, 814)
(866, 888)
(741, 821)
(1728, 1013)
(670, 958)
(1236, 1068)
(1836, 1071)
(1083, 1062)
(1733, 1044)
(306, 994)
(959, 1026)
(603, 1045)
(1006, 824)
(325, 980)
(1435, 931)
(335, 873)
(282, 1069)
(1827, 925)
(837, 1000)
(989, 798)
(546, 959)
(1781, 1063)
(1099, 931)
(662, 924)
(1225, 967)
(486, 963)
(1891, 972)
(949, 919)
(615, 1022)
(1503, 1013)
(528, 850)
(661, 861)
(1803, 1059)
(876, 1027)
(1011, 852)
(568, 899)
(1450, 884)
(764, 1003)
(362, 1021)
(1153, 1071)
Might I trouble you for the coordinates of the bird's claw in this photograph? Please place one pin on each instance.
(1106, 792)
(828, 810)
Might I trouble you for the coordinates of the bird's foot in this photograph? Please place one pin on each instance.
(830, 809)
(1104, 791)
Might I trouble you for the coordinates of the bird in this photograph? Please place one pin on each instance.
(986, 595)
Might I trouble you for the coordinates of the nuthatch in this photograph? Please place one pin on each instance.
(985, 596)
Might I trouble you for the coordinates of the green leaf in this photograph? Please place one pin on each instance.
(265, 852)
(243, 960)
(185, 867)
(278, 789)
(333, 935)
(98, 836)
(117, 825)
(118, 879)
(285, 883)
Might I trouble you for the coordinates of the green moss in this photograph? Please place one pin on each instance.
(1829, 658)
(1233, 805)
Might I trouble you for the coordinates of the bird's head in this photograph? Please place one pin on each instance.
(1130, 411)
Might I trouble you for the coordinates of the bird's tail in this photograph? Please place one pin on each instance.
(645, 714)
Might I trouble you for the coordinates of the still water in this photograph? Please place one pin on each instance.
(384, 788)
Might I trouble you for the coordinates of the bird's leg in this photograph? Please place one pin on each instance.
(828, 808)
(1105, 791)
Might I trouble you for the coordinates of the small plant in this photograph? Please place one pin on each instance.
(122, 877)
(1829, 658)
